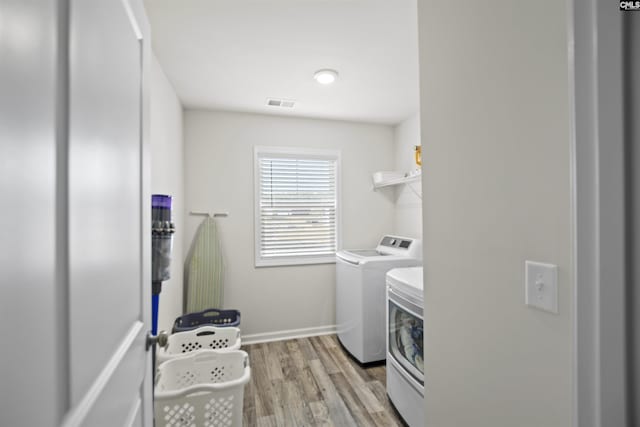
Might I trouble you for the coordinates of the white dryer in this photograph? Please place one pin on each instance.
(405, 354)
(360, 293)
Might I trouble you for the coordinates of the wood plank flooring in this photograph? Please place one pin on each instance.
(313, 382)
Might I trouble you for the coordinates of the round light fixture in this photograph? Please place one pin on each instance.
(325, 77)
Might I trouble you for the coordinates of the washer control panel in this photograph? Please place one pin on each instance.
(396, 242)
(396, 245)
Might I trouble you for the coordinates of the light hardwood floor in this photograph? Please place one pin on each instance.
(313, 382)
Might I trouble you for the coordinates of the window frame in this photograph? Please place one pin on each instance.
(304, 153)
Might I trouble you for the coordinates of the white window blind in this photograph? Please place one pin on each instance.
(296, 208)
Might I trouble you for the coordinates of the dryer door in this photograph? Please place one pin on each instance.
(406, 334)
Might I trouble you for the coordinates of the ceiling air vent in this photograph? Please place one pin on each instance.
(285, 103)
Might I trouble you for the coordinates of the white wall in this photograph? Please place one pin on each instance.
(219, 177)
(496, 134)
(408, 214)
(167, 177)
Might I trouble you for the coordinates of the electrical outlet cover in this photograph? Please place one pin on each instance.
(541, 286)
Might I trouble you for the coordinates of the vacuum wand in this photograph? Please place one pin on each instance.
(162, 230)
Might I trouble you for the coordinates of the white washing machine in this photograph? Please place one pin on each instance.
(405, 355)
(360, 293)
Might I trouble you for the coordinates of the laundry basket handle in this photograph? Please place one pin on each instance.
(205, 356)
(212, 312)
(206, 330)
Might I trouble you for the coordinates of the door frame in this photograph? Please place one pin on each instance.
(139, 17)
(598, 213)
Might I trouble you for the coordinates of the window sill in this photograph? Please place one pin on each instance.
(294, 262)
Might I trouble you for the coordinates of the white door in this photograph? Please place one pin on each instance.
(108, 302)
(75, 205)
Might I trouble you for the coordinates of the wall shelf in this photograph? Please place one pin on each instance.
(397, 181)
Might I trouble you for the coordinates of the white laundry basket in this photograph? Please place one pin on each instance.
(202, 389)
(205, 337)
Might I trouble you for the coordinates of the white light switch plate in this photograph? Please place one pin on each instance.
(541, 286)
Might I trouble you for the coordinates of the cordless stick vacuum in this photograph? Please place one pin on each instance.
(162, 230)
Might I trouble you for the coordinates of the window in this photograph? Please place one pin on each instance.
(296, 206)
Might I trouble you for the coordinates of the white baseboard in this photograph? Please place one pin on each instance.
(287, 335)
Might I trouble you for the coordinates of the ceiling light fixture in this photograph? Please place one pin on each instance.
(325, 77)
